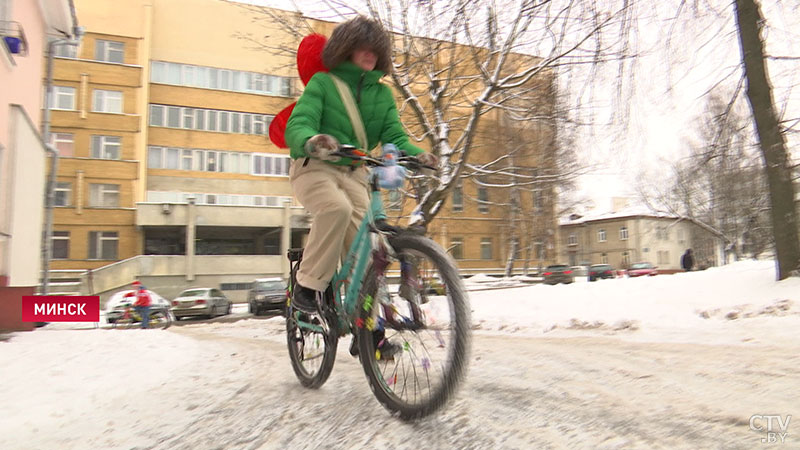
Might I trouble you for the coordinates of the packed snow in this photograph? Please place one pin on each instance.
(65, 379)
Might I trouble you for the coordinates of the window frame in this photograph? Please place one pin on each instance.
(100, 144)
(623, 233)
(98, 192)
(483, 200)
(103, 51)
(103, 98)
(487, 242)
(58, 92)
(66, 187)
(58, 237)
(97, 241)
(57, 138)
(601, 235)
(456, 243)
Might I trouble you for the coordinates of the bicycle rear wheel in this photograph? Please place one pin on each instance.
(430, 333)
(312, 340)
(160, 319)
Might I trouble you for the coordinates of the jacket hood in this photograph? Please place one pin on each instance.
(355, 33)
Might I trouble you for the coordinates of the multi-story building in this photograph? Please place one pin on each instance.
(25, 29)
(630, 236)
(161, 120)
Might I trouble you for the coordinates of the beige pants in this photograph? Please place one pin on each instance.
(337, 198)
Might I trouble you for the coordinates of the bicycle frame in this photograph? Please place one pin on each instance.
(354, 264)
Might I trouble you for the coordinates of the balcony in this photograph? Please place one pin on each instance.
(14, 38)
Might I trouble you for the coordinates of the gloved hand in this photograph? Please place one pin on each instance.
(427, 159)
(321, 146)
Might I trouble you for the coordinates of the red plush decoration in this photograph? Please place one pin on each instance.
(309, 56)
(309, 62)
(277, 129)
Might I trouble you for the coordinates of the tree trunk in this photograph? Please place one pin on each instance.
(771, 140)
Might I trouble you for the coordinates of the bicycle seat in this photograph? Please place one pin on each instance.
(295, 254)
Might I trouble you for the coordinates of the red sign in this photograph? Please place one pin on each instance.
(60, 308)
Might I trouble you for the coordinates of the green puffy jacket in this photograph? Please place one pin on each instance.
(320, 111)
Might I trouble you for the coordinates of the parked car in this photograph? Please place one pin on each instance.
(266, 293)
(208, 302)
(599, 271)
(558, 273)
(580, 271)
(116, 304)
(642, 269)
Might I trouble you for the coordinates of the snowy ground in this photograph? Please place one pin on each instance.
(670, 361)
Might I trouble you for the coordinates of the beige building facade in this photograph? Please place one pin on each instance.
(163, 137)
(621, 239)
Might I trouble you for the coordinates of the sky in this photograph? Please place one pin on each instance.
(679, 63)
(66, 384)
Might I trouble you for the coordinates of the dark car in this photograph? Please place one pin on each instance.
(558, 273)
(642, 269)
(266, 293)
(601, 271)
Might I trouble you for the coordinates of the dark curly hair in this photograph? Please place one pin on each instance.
(356, 33)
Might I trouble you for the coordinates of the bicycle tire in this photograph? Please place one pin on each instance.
(454, 367)
(296, 339)
(160, 319)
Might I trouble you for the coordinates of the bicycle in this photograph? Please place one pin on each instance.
(160, 318)
(427, 315)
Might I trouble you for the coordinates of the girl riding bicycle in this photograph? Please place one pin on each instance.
(332, 188)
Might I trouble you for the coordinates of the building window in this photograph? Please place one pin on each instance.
(572, 239)
(626, 260)
(681, 236)
(483, 199)
(109, 51)
(106, 147)
(538, 201)
(65, 51)
(63, 97)
(486, 248)
(662, 233)
(107, 101)
(156, 116)
(623, 233)
(209, 120)
(272, 165)
(60, 245)
(103, 244)
(604, 258)
(64, 143)
(104, 195)
(457, 248)
(538, 249)
(155, 158)
(63, 193)
(601, 235)
(458, 199)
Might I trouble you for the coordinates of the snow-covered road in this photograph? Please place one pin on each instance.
(679, 361)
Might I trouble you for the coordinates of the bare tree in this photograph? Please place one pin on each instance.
(461, 65)
(771, 139)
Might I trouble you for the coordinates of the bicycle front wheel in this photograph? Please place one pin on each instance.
(414, 337)
(312, 340)
(160, 319)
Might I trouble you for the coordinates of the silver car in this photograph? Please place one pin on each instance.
(208, 302)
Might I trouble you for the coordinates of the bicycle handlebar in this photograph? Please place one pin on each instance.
(350, 151)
